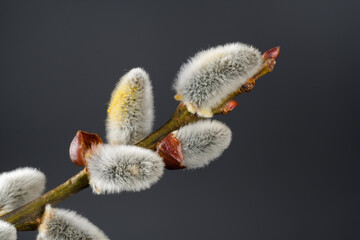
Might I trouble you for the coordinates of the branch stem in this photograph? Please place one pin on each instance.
(27, 217)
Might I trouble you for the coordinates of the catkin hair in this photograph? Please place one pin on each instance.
(19, 187)
(202, 142)
(130, 114)
(7, 231)
(211, 75)
(62, 224)
(114, 169)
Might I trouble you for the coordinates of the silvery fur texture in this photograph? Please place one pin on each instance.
(61, 224)
(19, 187)
(114, 169)
(131, 112)
(7, 231)
(203, 142)
(213, 74)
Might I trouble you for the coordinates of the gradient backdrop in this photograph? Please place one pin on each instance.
(292, 169)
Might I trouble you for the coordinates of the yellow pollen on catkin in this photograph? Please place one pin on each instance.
(179, 97)
(124, 95)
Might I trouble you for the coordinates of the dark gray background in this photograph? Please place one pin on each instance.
(291, 171)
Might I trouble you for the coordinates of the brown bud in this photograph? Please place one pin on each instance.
(80, 145)
(272, 53)
(248, 85)
(229, 106)
(270, 64)
(169, 148)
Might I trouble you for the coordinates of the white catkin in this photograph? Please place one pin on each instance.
(114, 169)
(19, 187)
(203, 142)
(7, 231)
(131, 109)
(213, 74)
(61, 224)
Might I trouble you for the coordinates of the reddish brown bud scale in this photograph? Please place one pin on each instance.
(270, 64)
(169, 148)
(80, 145)
(229, 106)
(272, 53)
(249, 85)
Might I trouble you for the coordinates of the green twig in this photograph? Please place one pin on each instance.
(27, 217)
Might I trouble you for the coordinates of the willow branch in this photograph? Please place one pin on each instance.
(27, 217)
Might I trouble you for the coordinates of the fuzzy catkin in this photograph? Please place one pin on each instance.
(61, 224)
(203, 142)
(211, 75)
(131, 112)
(114, 169)
(19, 187)
(7, 231)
